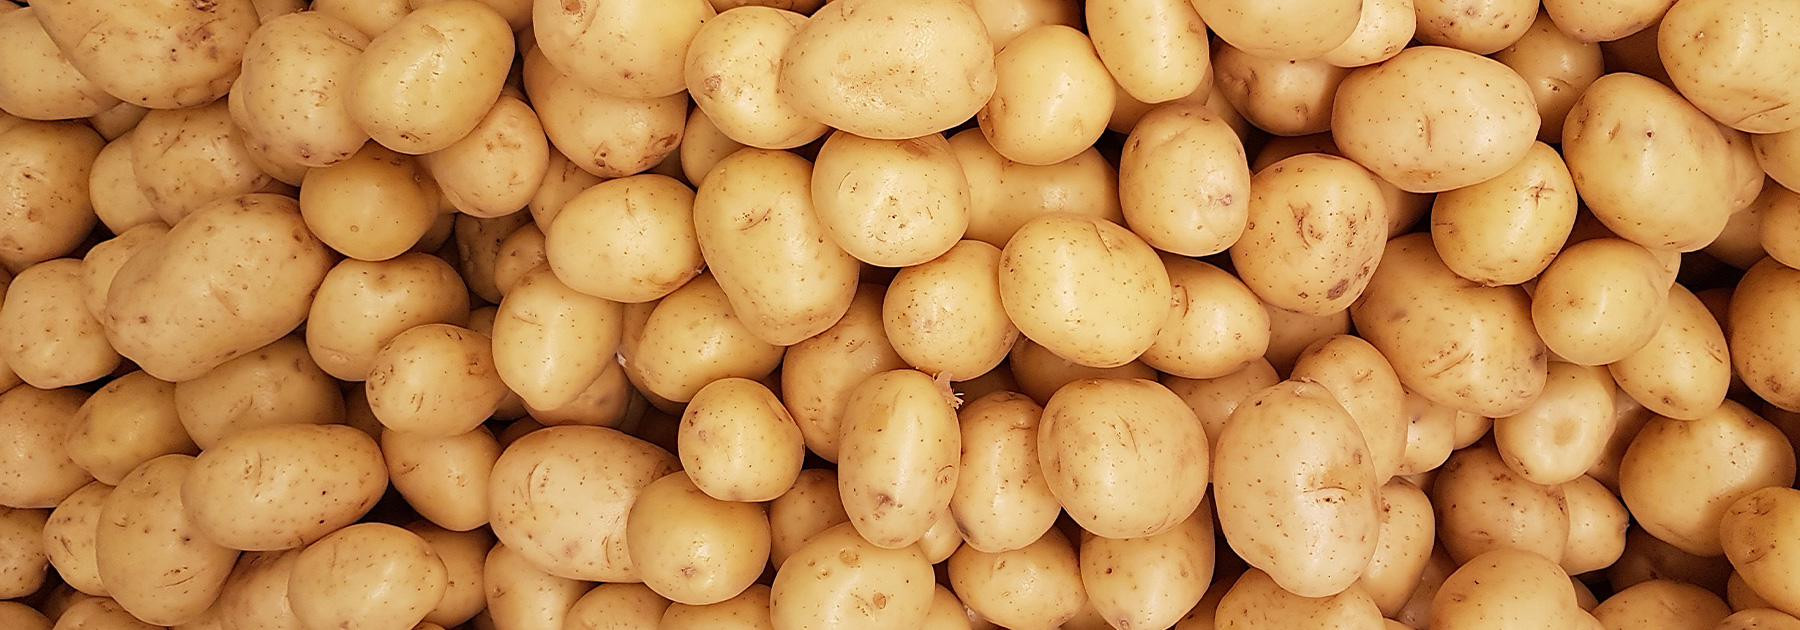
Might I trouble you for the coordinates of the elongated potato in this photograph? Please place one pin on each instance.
(1597, 524)
(127, 422)
(398, 581)
(621, 607)
(160, 54)
(1285, 98)
(36, 470)
(818, 373)
(436, 379)
(520, 595)
(326, 477)
(1002, 499)
(639, 132)
(1506, 588)
(897, 456)
(1085, 288)
(1736, 85)
(1685, 370)
(276, 384)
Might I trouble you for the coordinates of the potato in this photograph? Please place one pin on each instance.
(1216, 326)
(1452, 341)
(628, 240)
(435, 379)
(1213, 400)
(68, 538)
(1597, 524)
(1147, 474)
(703, 145)
(1062, 274)
(1149, 582)
(1755, 533)
(945, 316)
(638, 134)
(127, 422)
(1558, 66)
(1403, 546)
(47, 334)
(1038, 372)
(1482, 505)
(620, 607)
(692, 338)
(256, 592)
(1183, 183)
(692, 548)
(1662, 604)
(185, 159)
(890, 203)
(738, 442)
(560, 497)
(627, 48)
(747, 611)
(152, 554)
(1508, 229)
(1255, 601)
(839, 579)
(100, 613)
(521, 253)
(1004, 195)
(1036, 586)
(1562, 433)
(1006, 19)
(40, 83)
(1430, 434)
(1283, 97)
(414, 112)
(1625, 127)
(397, 581)
(1757, 331)
(1290, 333)
(446, 479)
(819, 372)
(942, 539)
(1679, 476)
(1647, 558)
(550, 341)
(34, 424)
(1362, 381)
(1734, 84)
(854, 66)
(308, 53)
(1759, 618)
(275, 384)
(731, 70)
(157, 54)
(362, 305)
(1383, 30)
(947, 612)
(283, 465)
(463, 554)
(372, 206)
(1002, 500)
(1478, 27)
(104, 260)
(24, 566)
(1775, 154)
(1030, 124)
(1286, 30)
(1314, 236)
(44, 169)
(1506, 588)
(1685, 370)
(495, 169)
(1157, 51)
(1475, 119)
(811, 506)
(113, 190)
(897, 456)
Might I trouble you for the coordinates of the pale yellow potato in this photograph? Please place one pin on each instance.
(637, 133)
(1217, 326)
(131, 420)
(445, 479)
(1749, 175)
(738, 443)
(605, 403)
(1594, 21)
(1403, 546)
(1183, 181)
(1778, 210)
(694, 549)
(1290, 333)
(1482, 505)
(1757, 534)
(39, 83)
(288, 174)
(99, 613)
(1597, 524)
(836, 579)
(1775, 153)
(1035, 586)
(255, 593)
(1740, 596)
(363, 305)
(48, 337)
(1213, 400)
(45, 169)
(1285, 29)
(1054, 96)
(1430, 435)
(1255, 601)
(811, 506)
(276, 384)
(856, 65)
(1508, 229)
(1757, 328)
(747, 611)
(104, 260)
(560, 497)
(1474, 118)
(947, 612)
(323, 476)
(438, 380)
(1600, 301)
(113, 190)
(692, 338)
(942, 539)
(1622, 140)
(945, 316)
(1738, 82)
(1126, 457)
(703, 145)
(406, 93)
(34, 425)
(1006, 19)
(1087, 289)
(1679, 476)
(68, 540)
(1296, 489)
(1383, 30)
(162, 55)
(1456, 343)
(1004, 195)
(1315, 234)
(495, 169)
(151, 553)
(625, 48)
(1557, 65)
(621, 607)
(1470, 428)
(25, 566)
(1685, 370)
(1630, 416)
(1364, 383)
(1562, 433)
(819, 372)
(372, 206)
(1285, 98)
(369, 575)
(1478, 26)
(551, 341)
(1156, 50)
(890, 203)
(1038, 372)
(898, 450)
(308, 53)
(1002, 500)
(520, 254)
(1403, 209)
(1415, 613)
(520, 595)
(1149, 582)
(731, 71)
(185, 159)
(1506, 588)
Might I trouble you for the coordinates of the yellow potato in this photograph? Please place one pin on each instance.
(1685, 370)
(738, 443)
(162, 55)
(629, 48)
(437, 380)
(1383, 30)
(68, 540)
(1315, 234)
(1002, 499)
(819, 372)
(444, 479)
(1480, 27)
(1506, 588)
(113, 190)
(945, 316)
(24, 568)
(619, 607)
(45, 168)
(47, 334)
(1679, 476)
(117, 120)
(185, 159)
(1597, 524)
(361, 306)
(692, 338)
(1285, 98)
(1183, 182)
(1474, 119)
(1430, 435)
(372, 206)
(1126, 457)
(1036, 586)
(153, 556)
(104, 260)
(855, 66)
(897, 456)
(840, 580)
(1759, 619)
(1364, 383)
(36, 470)
(323, 476)
(890, 203)
(368, 575)
(1482, 505)
(39, 82)
(692, 548)
(1737, 83)
(605, 402)
(1006, 19)
(1004, 195)
(550, 341)
(520, 595)
(703, 145)
(628, 240)
(495, 169)
(748, 611)
(130, 420)
(731, 71)
(276, 384)
(99, 613)
(256, 592)
(415, 111)
(521, 253)
(1149, 582)
(308, 53)
(1760, 333)
(1053, 96)
(1213, 400)
(1508, 229)
(1648, 558)
(1217, 326)
(637, 133)
(1255, 601)
(560, 497)
(1285, 30)
(942, 539)
(1564, 431)
(1757, 535)
(811, 506)
(1774, 153)
(1087, 289)
(1403, 546)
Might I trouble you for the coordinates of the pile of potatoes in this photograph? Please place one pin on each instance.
(899, 314)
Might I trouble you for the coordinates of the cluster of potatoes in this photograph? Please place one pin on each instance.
(899, 314)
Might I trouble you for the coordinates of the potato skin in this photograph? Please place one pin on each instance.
(416, 112)
(1085, 288)
(324, 476)
(160, 54)
(827, 582)
(153, 557)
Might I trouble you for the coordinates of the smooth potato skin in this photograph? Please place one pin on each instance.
(324, 476)
(160, 54)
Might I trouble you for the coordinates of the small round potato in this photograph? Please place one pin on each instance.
(445, 479)
(1597, 524)
(628, 240)
(1564, 431)
(1149, 582)
(1282, 97)
(690, 339)
(1599, 301)
(361, 306)
(1217, 326)
(1156, 49)
(897, 456)
(1506, 588)
(307, 53)
(1085, 288)
(1256, 600)
(1054, 96)
(945, 316)
(551, 342)
(890, 203)
(1315, 234)
(371, 206)
(113, 188)
(435, 379)
(1285, 30)
(838, 579)
(405, 91)
(1002, 500)
(1126, 457)
(703, 145)
(732, 72)
(1364, 383)
(130, 420)
(495, 169)
(368, 575)
(1507, 230)
(1184, 184)
(748, 611)
(738, 443)
(811, 506)
(323, 476)
(1213, 400)
(1035, 586)
(694, 549)
(1685, 370)
(637, 133)
(48, 336)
